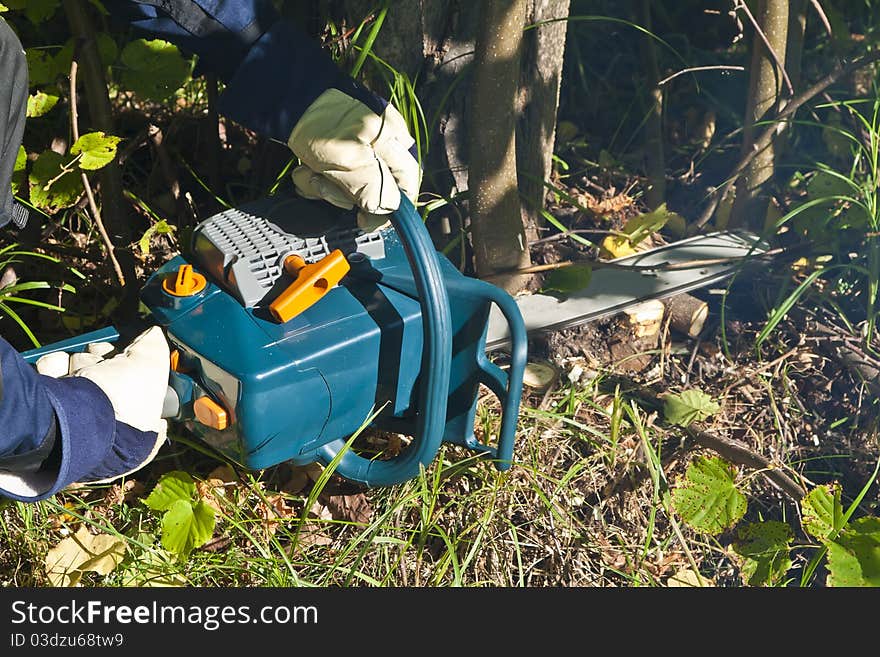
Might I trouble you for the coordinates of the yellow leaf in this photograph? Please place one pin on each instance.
(83, 552)
(616, 246)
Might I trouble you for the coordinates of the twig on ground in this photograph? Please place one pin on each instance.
(739, 454)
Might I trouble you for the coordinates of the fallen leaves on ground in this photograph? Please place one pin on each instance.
(352, 508)
(125, 492)
(273, 511)
(83, 552)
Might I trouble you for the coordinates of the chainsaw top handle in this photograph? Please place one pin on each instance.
(435, 370)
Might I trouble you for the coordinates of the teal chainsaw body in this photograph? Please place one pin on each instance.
(377, 328)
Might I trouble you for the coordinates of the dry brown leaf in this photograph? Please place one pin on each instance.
(611, 205)
(224, 473)
(273, 511)
(352, 508)
(320, 512)
(312, 533)
(209, 490)
(83, 552)
(128, 491)
(686, 577)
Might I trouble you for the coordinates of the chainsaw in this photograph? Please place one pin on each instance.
(291, 329)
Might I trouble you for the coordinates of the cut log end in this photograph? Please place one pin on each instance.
(687, 314)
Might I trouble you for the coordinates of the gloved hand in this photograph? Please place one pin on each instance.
(135, 382)
(352, 156)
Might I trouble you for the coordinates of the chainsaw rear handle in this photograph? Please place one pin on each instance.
(435, 370)
(506, 386)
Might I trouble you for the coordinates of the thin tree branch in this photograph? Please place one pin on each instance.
(818, 7)
(93, 206)
(693, 69)
(100, 116)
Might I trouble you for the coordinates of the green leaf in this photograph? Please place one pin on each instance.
(161, 227)
(689, 406)
(766, 548)
(153, 69)
(707, 498)
(566, 280)
(20, 159)
(640, 226)
(37, 11)
(40, 103)
(18, 176)
(824, 184)
(41, 67)
(97, 149)
(854, 556)
(108, 51)
(172, 487)
(822, 512)
(186, 527)
(51, 189)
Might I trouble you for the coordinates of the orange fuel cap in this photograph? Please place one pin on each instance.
(184, 283)
(312, 282)
(210, 413)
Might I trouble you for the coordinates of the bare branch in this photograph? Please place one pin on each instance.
(818, 7)
(700, 68)
(93, 206)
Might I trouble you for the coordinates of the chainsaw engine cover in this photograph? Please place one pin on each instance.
(265, 391)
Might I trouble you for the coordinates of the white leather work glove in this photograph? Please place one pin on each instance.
(352, 156)
(135, 381)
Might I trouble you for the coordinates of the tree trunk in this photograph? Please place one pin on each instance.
(655, 161)
(765, 90)
(433, 42)
(497, 233)
(541, 77)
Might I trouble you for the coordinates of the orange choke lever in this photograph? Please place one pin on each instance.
(312, 282)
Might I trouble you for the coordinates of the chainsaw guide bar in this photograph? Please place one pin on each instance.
(612, 289)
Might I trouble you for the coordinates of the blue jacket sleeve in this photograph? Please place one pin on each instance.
(273, 69)
(53, 432)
